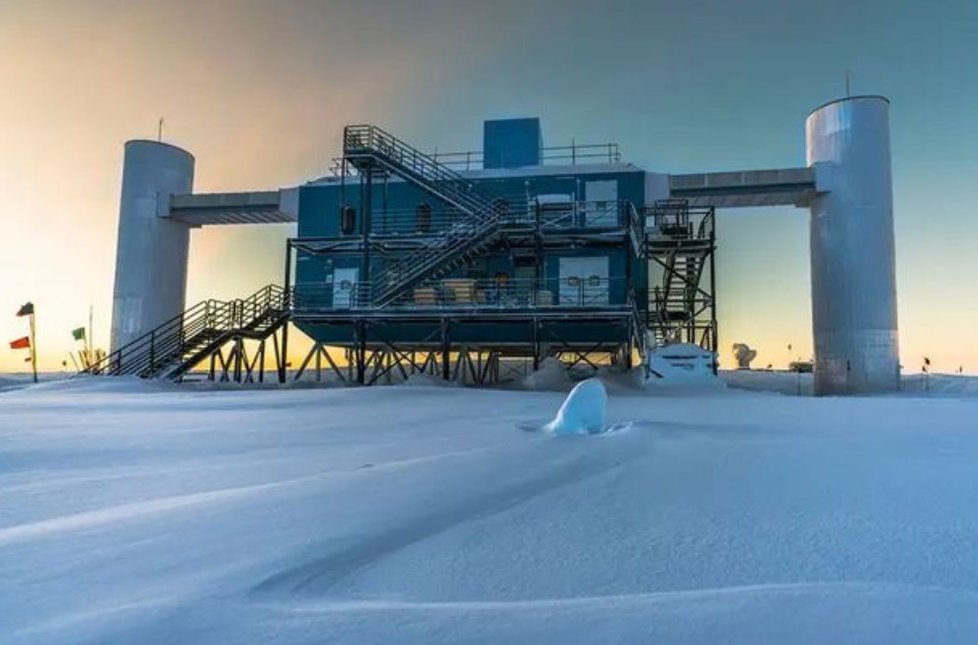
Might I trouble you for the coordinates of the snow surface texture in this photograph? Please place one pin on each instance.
(143, 513)
(428, 380)
(765, 381)
(20, 379)
(551, 375)
(584, 411)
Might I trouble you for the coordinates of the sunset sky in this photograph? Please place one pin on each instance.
(259, 93)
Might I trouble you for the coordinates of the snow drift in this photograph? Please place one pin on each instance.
(551, 375)
(149, 514)
(682, 364)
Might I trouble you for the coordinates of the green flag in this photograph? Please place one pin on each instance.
(78, 334)
(26, 309)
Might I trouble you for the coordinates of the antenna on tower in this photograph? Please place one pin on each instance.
(159, 131)
(848, 83)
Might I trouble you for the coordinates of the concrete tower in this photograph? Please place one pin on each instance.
(853, 267)
(151, 258)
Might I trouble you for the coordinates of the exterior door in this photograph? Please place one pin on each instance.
(601, 207)
(344, 287)
(584, 282)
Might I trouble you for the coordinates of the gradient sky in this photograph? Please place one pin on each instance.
(259, 92)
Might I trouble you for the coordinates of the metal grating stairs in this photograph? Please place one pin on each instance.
(368, 147)
(176, 346)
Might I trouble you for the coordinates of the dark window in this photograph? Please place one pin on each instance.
(348, 220)
(422, 218)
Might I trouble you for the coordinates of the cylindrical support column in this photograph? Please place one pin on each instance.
(853, 266)
(151, 256)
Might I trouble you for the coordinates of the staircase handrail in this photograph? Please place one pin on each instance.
(455, 238)
(374, 141)
(173, 333)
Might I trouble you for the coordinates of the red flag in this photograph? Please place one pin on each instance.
(21, 343)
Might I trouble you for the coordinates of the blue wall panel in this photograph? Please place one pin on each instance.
(394, 212)
(511, 143)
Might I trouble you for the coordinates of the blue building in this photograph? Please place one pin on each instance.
(520, 250)
(454, 262)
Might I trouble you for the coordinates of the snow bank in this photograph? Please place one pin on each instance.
(551, 375)
(17, 380)
(915, 385)
(617, 380)
(7, 383)
(84, 384)
(427, 380)
(680, 364)
(770, 381)
(940, 384)
(584, 411)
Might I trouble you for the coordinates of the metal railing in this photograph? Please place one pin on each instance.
(514, 212)
(592, 292)
(399, 222)
(675, 219)
(465, 235)
(361, 141)
(479, 223)
(206, 322)
(572, 155)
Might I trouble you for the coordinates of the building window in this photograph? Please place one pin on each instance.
(348, 220)
(422, 218)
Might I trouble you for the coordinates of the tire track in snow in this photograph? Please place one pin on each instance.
(134, 510)
(834, 589)
(112, 514)
(319, 575)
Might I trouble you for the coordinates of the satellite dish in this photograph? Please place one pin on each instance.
(743, 354)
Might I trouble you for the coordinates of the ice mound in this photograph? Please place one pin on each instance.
(584, 411)
(551, 375)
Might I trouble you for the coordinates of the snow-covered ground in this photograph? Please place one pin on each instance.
(12, 381)
(141, 513)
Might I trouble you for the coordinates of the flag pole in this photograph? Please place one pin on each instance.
(33, 347)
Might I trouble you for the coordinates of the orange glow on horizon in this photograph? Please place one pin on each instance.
(259, 93)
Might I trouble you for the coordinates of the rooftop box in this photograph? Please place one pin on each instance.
(511, 143)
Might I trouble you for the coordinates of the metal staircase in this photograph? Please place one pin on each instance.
(370, 148)
(673, 304)
(179, 344)
(680, 241)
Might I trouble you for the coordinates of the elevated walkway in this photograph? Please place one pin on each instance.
(215, 209)
(735, 189)
(745, 188)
